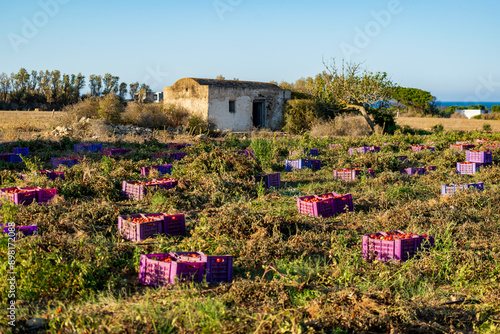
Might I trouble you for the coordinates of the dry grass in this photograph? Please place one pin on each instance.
(345, 125)
(28, 120)
(456, 124)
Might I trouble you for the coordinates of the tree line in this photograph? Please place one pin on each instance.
(54, 90)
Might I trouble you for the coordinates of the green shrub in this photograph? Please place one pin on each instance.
(300, 115)
(110, 108)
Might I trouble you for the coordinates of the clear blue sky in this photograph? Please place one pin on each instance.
(449, 48)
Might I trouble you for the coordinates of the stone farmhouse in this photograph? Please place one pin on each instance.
(230, 104)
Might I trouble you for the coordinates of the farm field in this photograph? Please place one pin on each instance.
(292, 273)
(449, 124)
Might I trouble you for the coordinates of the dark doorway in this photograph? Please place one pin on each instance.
(259, 114)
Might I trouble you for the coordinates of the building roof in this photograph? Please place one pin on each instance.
(234, 83)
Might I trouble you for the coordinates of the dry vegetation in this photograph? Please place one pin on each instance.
(449, 124)
(80, 276)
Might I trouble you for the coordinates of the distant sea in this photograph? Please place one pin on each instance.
(465, 104)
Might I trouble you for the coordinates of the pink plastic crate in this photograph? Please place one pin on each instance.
(45, 195)
(398, 250)
(342, 203)
(322, 208)
(25, 198)
(479, 156)
(155, 272)
(140, 231)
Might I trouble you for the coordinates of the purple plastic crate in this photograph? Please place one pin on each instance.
(25, 230)
(110, 152)
(269, 180)
(479, 156)
(155, 272)
(323, 206)
(418, 148)
(174, 224)
(177, 156)
(45, 195)
(28, 196)
(56, 162)
(24, 151)
(315, 164)
(291, 165)
(364, 149)
(349, 174)
(342, 203)
(413, 171)
(218, 269)
(468, 168)
(461, 147)
(137, 190)
(398, 250)
(451, 189)
(162, 169)
(82, 147)
(140, 231)
(10, 157)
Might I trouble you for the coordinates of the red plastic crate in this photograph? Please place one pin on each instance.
(45, 195)
(479, 156)
(25, 198)
(398, 250)
(153, 271)
(140, 231)
(174, 224)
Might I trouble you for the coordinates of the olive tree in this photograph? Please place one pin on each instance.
(355, 88)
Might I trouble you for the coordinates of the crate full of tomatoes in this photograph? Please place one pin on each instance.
(291, 165)
(468, 168)
(325, 205)
(394, 245)
(141, 226)
(137, 190)
(350, 174)
(363, 149)
(171, 268)
(26, 196)
(479, 156)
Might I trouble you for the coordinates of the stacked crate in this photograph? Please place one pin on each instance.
(474, 161)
